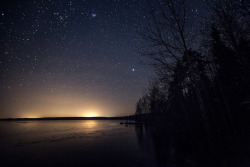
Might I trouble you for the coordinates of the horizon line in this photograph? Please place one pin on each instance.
(67, 118)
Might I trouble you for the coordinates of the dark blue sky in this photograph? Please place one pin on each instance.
(73, 58)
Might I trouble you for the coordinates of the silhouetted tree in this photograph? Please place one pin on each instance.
(168, 37)
(205, 87)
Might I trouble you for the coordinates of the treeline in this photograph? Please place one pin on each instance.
(203, 75)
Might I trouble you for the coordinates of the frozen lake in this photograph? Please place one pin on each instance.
(70, 143)
(106, 143)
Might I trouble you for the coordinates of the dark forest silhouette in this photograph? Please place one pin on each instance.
(202, 92)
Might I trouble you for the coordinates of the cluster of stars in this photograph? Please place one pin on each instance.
(86, 47)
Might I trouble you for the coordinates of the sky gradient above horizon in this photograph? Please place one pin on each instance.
(61, 58)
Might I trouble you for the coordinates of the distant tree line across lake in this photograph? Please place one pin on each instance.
(203, 76)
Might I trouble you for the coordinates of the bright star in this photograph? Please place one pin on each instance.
(133, 69)
(93, 15)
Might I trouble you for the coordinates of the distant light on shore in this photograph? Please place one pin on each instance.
(91, 112)
(90, 115)
(30, 116)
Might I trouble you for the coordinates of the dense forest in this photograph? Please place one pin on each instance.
(202, 86)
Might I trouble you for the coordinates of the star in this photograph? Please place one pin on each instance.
(93, 15)
(133, 69)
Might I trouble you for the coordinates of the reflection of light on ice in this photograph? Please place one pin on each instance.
(90, 125)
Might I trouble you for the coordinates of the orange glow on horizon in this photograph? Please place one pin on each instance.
(91, 112)
(30, 116)
(31, 105)
(90, 115)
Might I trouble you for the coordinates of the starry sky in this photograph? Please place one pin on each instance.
(61, 58)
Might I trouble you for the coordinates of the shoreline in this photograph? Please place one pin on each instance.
(68, 118)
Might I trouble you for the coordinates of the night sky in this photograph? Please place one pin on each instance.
(62, 58)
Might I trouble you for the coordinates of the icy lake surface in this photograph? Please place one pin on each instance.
(71, 143)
